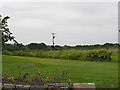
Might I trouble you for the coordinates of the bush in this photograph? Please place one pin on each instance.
(98, 55)
(5, 52)
(76, 56)
(21, 53)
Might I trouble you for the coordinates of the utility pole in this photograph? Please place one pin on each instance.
(53, 37)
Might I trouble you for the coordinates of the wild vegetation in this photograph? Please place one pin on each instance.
(36, 78)
(91, 55)
(84, 52)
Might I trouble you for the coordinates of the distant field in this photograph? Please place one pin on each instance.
(104, 74)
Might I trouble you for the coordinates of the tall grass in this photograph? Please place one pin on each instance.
(92, 55)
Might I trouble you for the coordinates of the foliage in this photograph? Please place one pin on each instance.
(43, 46)
(39, 77)
(101, 55)
(7, 52)
(59, 76)
(6, 34)
(37, 46)
(91, 55)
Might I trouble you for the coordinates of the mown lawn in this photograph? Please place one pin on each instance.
(103, 74)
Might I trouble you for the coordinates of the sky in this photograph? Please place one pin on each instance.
(75, 23)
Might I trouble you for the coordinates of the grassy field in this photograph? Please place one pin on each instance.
(103, 74)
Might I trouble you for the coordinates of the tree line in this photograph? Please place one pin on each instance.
(43, 46)
(8, 36)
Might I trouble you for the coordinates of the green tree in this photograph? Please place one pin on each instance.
(37, 46)
(6, 34)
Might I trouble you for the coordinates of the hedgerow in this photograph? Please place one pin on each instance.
(90, 55)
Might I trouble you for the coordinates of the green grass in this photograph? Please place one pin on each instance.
(103, 74)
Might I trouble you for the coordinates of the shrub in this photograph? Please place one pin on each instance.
(21, 53)
(32, 54)
(98, 55)
(5, 52)
(75, 56)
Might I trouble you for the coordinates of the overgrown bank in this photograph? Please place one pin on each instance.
(90, 55)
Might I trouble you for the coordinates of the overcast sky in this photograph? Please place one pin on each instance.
(73, 22)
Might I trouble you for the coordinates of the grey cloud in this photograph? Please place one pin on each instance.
(74, 23)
